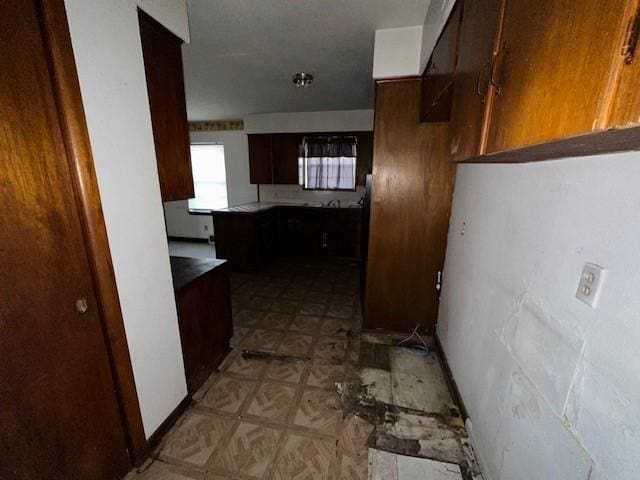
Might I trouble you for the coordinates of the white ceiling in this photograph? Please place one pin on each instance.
(243, 53)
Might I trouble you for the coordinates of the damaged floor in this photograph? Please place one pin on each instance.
(304, 394)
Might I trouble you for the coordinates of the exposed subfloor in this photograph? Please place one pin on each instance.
(278, 415)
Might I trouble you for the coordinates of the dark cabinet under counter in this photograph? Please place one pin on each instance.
(203, 300)
(252, 235)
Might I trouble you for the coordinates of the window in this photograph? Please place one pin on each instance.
(328, 163)
(209, 176)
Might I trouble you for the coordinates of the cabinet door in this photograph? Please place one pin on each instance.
(290, 240)
(626, 105)
(260, 167)
(437, 84)
(553, 69)
(342, 232)
(284, 154)
(266, 237)
(473, 90)
(313, 241)
(364, 162)
(165, 86)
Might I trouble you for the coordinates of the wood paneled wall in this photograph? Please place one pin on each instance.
(410, 206)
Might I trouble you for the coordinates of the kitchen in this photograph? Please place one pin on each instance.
(366, 239)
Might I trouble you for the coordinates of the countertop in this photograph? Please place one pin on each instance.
(185, 269)
(256, 207)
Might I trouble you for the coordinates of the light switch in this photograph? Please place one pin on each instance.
(590, 285)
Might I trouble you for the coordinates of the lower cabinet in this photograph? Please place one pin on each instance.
(316, 232)
(341, 233)
(245, 240)
(249, 241)
(203, 300)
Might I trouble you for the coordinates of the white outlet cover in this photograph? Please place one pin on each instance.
(591, 283)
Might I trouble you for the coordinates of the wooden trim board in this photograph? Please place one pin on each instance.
(161, 431)
(451, 382)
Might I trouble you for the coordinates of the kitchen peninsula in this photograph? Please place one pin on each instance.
(250, 236)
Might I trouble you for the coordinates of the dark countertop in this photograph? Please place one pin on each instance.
(256, 207)
(185, 269)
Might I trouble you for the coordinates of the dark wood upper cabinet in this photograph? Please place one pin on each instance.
(165, 85)
(552, 70)
(562, 81)
(473, 88)
(284, 155)
(438, 80)
(625, 110)
(260, 166)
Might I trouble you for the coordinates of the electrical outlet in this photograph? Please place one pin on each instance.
(590, 286)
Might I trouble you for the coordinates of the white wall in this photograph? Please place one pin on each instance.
(172, 14)
(182, 224)
(552, 386)
(405, 51)
(397, 52)
(106, 43)
(330, 121)
(296, 194)
(437, 15)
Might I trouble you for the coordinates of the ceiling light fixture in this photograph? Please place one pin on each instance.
(302, 80)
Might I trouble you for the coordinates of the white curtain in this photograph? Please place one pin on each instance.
(331, 173)
(328, 163)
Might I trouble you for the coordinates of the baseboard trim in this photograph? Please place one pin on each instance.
(188, 239)
(161, 431)
(451, 382)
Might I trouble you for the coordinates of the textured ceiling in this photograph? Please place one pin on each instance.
(243, 53)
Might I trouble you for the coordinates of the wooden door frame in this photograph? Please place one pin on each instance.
(68, 99)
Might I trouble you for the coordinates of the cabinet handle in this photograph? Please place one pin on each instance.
(633, 32)
(484, 69)
(498, 86)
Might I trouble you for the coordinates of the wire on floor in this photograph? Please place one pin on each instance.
(418, 347)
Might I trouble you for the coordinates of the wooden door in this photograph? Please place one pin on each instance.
(625, 110)
(342, 226)
(553, 69)
(59, 416)
(260, 165)
(473, 90)
(165, 85)
(409, 217)
(438, 82)
(284, 154)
